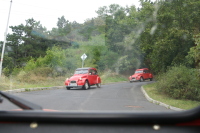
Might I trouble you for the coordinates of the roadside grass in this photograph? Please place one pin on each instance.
(112, 77)
(11, 83)
(34, 82)
(179, 103)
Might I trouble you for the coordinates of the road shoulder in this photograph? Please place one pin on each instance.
(158, 102)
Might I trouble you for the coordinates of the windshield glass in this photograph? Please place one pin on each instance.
(138, 71)
(47, 42)
(82, 71)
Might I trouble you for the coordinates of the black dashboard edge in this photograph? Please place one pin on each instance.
(101, 117)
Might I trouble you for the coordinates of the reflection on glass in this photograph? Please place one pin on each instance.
(83, 71)
(161, 35)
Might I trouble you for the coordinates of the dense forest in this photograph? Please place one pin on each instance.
(157, 35)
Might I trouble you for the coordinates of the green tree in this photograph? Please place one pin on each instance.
(194, 53)
(21, 41)
(59, 34)
(167, 34)
(115, 30)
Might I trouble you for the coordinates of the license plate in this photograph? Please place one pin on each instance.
(133, 79)
(73, 84)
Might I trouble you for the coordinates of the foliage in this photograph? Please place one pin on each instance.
(20, 45)
(55, 59)
(6, 71)
(35, 75)
(8, 65)
(98, 55)
(167, 36)
(194, 53)
(180, 82)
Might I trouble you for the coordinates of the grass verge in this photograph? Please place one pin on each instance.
(34, 82)
(12, 83)
(112, 77)
(179, 103)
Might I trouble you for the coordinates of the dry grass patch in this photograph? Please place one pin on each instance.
(30, 82)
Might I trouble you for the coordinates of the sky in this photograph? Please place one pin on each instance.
(48, 11)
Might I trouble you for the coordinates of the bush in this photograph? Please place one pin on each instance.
(43, 71)
(30, 77)
(6, 71)
(16, 71)
(180, 83)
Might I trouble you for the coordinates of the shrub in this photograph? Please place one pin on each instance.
(6, 71)
(16, 71)
(180, 83)
(43, 71)
(30, 77)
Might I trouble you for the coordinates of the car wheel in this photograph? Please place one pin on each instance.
(68, 88)
(141, 79)
(98, 85)
(86, 85)
(151, 79)
(130, 81)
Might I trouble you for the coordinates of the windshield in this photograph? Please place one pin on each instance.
(46, 42)
(138, 71)
(81, 71)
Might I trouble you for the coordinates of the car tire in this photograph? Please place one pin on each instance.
(151, 79)
(68, 88)
(86, 85)
(141, 79)
(131, 81)
(98, 85)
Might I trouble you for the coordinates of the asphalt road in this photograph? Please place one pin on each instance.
(111, 97)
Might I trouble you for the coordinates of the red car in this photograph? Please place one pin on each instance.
(141, 75)
(83, 78)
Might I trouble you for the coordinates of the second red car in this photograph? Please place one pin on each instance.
(141, 75)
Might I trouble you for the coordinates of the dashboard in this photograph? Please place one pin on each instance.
(39, 121)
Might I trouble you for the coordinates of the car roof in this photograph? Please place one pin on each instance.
(142, 69)
(86, 68)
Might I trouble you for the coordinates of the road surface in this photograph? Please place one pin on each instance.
(111, 97)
